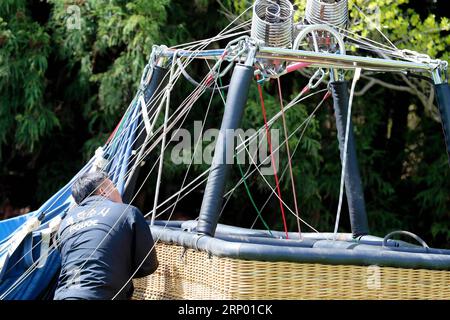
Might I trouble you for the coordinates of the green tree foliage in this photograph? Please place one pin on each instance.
(107, 53)
(63, 89)
(68, 85)
(24, 116)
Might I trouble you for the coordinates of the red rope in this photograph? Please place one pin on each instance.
(294, 191)
(263, 108)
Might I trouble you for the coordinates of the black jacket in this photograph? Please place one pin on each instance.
(102, 245)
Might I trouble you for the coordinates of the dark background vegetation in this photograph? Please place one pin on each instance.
(62, 92)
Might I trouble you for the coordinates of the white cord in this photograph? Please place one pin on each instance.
(306, 121)
(28, 271)
(274, 192)
(376, 27)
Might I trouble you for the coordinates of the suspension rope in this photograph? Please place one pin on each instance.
(303, 125)
(272, 158)
(28, 272)
(228, 194)
(294, 192)
(273, 191)
(243, 178)
(113, 135)
(374, 25)
(125, 211)
(252, 200)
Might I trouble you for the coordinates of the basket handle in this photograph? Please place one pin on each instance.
(407, 233)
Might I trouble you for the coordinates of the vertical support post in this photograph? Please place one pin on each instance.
(220, 167)
(352, 178)
(442, 90)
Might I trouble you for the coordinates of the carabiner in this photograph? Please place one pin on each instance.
(312, 85)
(258, 73)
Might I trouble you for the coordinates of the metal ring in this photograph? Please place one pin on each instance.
(407, 233)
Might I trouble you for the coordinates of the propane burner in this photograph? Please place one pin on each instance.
(272, 23)
(331, 12)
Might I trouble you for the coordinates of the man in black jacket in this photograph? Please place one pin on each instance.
(103, 242)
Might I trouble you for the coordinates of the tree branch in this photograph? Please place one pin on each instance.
(417, 90)
(427, 102)
(373, 81)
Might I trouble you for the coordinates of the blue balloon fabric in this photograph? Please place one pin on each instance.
(27, 275)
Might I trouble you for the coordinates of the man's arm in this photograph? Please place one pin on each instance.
(144, 250)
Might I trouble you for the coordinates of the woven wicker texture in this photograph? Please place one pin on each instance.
(190, 274)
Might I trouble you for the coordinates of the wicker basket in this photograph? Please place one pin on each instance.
(189, 274)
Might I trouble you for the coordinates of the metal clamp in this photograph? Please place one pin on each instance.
(262, 75)
(311, 84)
(439, 73)
(148, 70)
